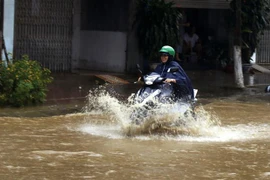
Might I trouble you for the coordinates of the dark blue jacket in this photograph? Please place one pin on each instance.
(182, 80)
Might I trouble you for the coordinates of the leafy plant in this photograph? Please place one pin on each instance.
(23, 82)
(216, 54)
(157, 25)
(255, 19)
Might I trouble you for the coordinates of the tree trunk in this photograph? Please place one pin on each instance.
(238, 71)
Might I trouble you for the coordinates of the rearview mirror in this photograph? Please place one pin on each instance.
(173, 69)
(139, 68)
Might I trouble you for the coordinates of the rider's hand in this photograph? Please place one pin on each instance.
(140, 80)
(170, 80)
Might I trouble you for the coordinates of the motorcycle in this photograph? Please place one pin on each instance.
(155, 95)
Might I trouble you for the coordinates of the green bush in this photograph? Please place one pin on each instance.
(23, 82)
(156, 23)
(254, 20)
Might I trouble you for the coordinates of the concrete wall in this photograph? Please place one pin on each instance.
(133, 55)
(75, 55)
(98, 50)
(8, 24)
(103, 51)
(111, 51)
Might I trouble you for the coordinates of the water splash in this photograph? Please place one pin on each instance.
(113, 120)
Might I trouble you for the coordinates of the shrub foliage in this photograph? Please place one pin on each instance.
(255, 19)
(23, 82)
(156, 23)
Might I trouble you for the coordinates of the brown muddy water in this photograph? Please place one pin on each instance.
(230, 139)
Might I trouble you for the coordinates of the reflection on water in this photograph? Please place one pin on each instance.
(227, 140)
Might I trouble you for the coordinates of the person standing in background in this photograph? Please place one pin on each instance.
(192, 42)
(179, 47)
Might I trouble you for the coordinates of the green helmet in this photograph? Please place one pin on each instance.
(167, 49)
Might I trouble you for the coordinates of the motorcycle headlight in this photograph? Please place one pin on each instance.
(148, 82)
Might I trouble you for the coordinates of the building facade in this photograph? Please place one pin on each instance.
(66, 35)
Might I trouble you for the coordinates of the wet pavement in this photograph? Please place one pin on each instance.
(67, 93)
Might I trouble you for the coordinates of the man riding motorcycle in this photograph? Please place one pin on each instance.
(168, 86)
(182, 84)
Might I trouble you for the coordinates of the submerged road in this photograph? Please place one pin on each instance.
(77, 137)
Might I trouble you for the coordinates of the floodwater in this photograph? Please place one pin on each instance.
(229, 139)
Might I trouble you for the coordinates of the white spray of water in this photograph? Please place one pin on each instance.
(162, 122)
